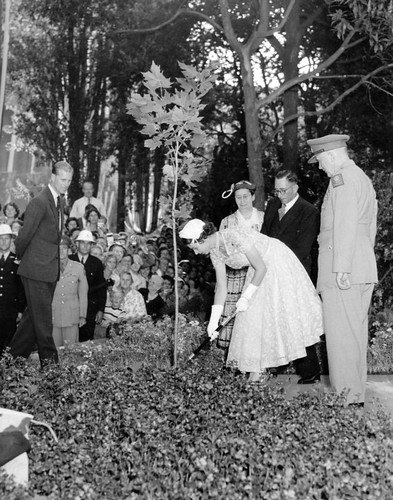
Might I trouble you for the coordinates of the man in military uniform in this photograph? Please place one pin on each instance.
(347, 269)
(12, 297)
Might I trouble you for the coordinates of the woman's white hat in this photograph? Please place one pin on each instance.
(192, 230)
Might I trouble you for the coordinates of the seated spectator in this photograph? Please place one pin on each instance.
(171, 300)
(16, 226)
(73, 234)
(71, 223)
(138, 280)
(145, 272)
(155, 304)
(101, 240)
(112, 315)
(82, 221)
(163, 264)
(167, 286)
(92, 217)
(11, 212)
(97, 251)
(118, 250)
(102, 226)
(164, 252)
(69, 305)
(170, 271)
(79, 207)
(133, 304)
(111, 274)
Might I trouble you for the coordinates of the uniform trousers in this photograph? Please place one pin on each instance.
(345, 314)
(8, 325)
(65, 335)
(35, 327)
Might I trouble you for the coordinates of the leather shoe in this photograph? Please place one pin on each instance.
(309, 380)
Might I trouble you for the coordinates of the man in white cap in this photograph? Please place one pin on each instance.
(347, 269)
(12, 297)
(96, 296)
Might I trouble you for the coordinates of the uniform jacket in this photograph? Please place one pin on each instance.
(70, 298)
(37, 244)
(348, 228)
(12, 296)
(96, 281)
(298, 228)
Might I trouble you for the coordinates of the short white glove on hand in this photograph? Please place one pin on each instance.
(244, 301)
(214, 319)
(242, 305)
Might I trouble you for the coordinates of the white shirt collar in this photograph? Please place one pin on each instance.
(291, 203)
(55, 194)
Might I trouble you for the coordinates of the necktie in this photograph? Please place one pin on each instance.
(281, 211)
(83, 260)
(58, 212)
(2, 260)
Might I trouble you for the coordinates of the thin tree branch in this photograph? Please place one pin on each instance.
(228, 29)
(281, 24)
(178, 13)
(333, 104)
(307, 76)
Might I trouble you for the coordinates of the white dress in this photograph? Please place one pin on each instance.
(285, 313)
(236, 277)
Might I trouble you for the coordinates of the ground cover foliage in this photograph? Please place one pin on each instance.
(131, 427)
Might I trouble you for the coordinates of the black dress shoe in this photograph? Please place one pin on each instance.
(309, 380)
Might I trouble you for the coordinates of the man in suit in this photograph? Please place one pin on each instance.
(12, 297)
(96, 296)
(37, 247)
(347, 269)
(295, 222)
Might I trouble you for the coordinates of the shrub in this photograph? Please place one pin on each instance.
(194, 432)
(380, 349)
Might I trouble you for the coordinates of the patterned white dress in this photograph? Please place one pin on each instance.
(285, 313)
(236, 277)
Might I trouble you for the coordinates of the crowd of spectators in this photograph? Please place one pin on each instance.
(136, 271)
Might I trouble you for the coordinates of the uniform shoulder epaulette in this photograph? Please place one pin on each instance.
(337, 180)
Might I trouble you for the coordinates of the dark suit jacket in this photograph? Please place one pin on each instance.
(12, 295)
(37, 244)
(298, 229)
(96, 281)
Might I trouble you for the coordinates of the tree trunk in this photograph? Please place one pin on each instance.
(291, 96)
(254, 140)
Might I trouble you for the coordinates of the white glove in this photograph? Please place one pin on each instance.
(244, 301)
(241, 305)
(214, 319)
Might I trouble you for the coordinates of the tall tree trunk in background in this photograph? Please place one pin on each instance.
(97, 118)
(77, 100)
(290, 60)
(253, 135)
